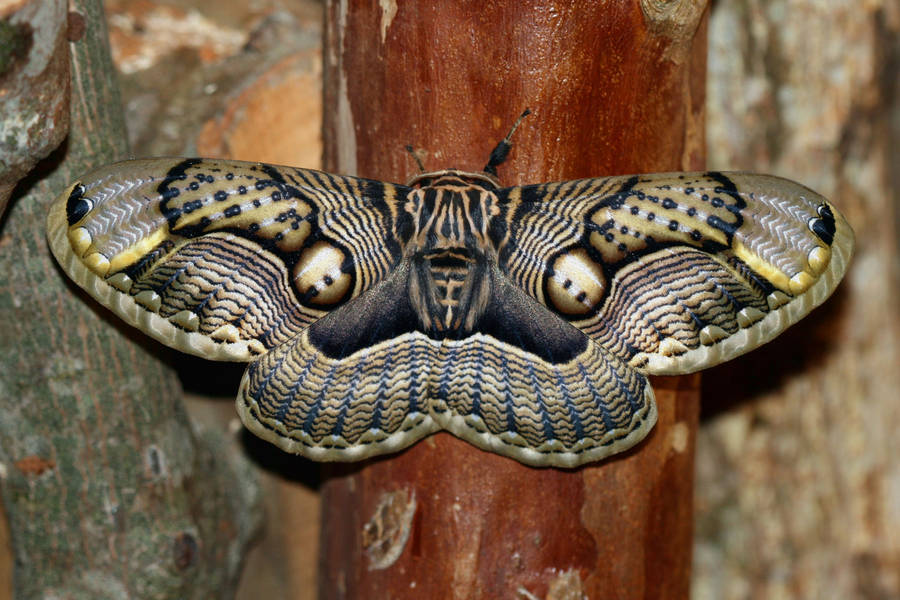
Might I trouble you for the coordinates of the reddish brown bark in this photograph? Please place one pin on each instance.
(616, 87)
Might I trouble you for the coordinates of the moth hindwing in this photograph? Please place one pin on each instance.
(522, 319)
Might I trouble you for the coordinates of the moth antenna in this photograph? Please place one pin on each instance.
(501, 151)
(416, 158)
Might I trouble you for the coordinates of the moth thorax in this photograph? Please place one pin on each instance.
(449, 290)
(450, 216)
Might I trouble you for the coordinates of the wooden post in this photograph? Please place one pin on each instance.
(615, 87)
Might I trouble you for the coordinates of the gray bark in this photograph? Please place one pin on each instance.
(798, 480)
(108, 489)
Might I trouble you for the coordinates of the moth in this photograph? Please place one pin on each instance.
(522, 319)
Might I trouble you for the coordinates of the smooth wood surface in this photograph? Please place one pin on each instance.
(615, 87)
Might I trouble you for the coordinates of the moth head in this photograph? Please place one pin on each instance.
(453, 176)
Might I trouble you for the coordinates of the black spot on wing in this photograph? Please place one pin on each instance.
(168, 191)
(77, 206)
(517, 319)
(379, 314)
(824, 226)
(273, 173)
(726, 186)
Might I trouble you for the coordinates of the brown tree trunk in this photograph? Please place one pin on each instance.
(615, 87)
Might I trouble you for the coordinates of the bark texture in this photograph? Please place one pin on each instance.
(798, 482)
(108, 490)
(616, 87)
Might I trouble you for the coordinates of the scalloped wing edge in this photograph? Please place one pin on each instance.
(419, 425)
(550, 454)
(764, 330)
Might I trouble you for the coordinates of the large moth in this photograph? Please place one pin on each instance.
(523, 319)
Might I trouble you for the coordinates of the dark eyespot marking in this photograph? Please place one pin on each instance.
(824, 227)
(77, 206)
(691, 211)
(718, 202)
(696, 235)
(194, 186)
(635, 210)
(242, 189)
(220, 195)
(669, 203)
(673, 225)
(650, 216)
(714, 221)
(820, 228)
(233, 210)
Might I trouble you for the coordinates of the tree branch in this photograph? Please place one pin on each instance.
(107, 488)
